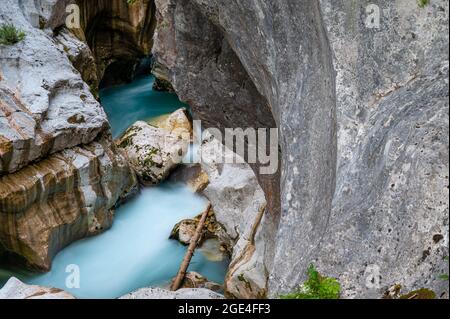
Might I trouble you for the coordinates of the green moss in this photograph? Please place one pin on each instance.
(10, 35)
(316, 287)
(148, 161)
(131, 1)
(423, 3)
(126, 140)
(422, 293)
(444, 276)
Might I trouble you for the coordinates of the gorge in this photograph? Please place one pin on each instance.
(362, 112)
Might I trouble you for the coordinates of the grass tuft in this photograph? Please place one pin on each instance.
(316, 287)
(10, 35)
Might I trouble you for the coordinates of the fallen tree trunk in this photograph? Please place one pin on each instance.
(190, 252)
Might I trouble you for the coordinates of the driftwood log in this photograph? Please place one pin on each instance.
(190, 252)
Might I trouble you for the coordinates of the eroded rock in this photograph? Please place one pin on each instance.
(158, 293)
(45, 106)
(194, 280)
(15, 289)
(66, 197)
(152, 152)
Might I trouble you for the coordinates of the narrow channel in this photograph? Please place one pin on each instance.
(136, 251)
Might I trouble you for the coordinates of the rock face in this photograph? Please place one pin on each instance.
(118, 33)
(240, 206)
(158, 293)
(45, 106)
(70, 195)
(15, 289)
(185, 230)
(363, 119)
(389, 220)
(60, 173)
(154, 152)
(194, 280)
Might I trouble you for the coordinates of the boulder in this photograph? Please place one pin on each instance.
(152, 152)
(66, 197)
(191, 175)
(159, 293)
(238, 211)
(15, 289)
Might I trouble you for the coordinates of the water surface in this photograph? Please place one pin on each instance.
(136, 251)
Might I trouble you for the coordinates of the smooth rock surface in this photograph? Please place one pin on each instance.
(363, 118)
(187, 293)
(118, 33)
(45, 105)
(153, 152)
(240, 207)
(15, 289)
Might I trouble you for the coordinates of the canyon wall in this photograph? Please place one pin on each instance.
(60, 173)
(119, 34)
(363, 119)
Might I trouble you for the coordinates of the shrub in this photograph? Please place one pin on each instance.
(423, 3)
(316, 287)
(10, 35)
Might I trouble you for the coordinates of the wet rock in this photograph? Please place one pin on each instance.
(15, 289)
(185, 230)
(158, 293)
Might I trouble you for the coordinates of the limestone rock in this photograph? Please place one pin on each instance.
(194, 280)
(239, 208)
(185, 230)
(152, 152)
(15, 289)
(118, 33)
(81, 57)
(191, 175)
(158, 293)
(363, 119)
(177, 123)
(45, 106)
(66, 197)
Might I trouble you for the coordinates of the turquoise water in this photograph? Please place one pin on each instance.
(136, 251)
(129, 103)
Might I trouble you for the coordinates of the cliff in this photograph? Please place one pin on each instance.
(60, 173)
(363, 120)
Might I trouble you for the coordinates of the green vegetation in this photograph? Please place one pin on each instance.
(316, 287)
(423, 3)
(10, 35)
(131, 1)
(423, 293)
